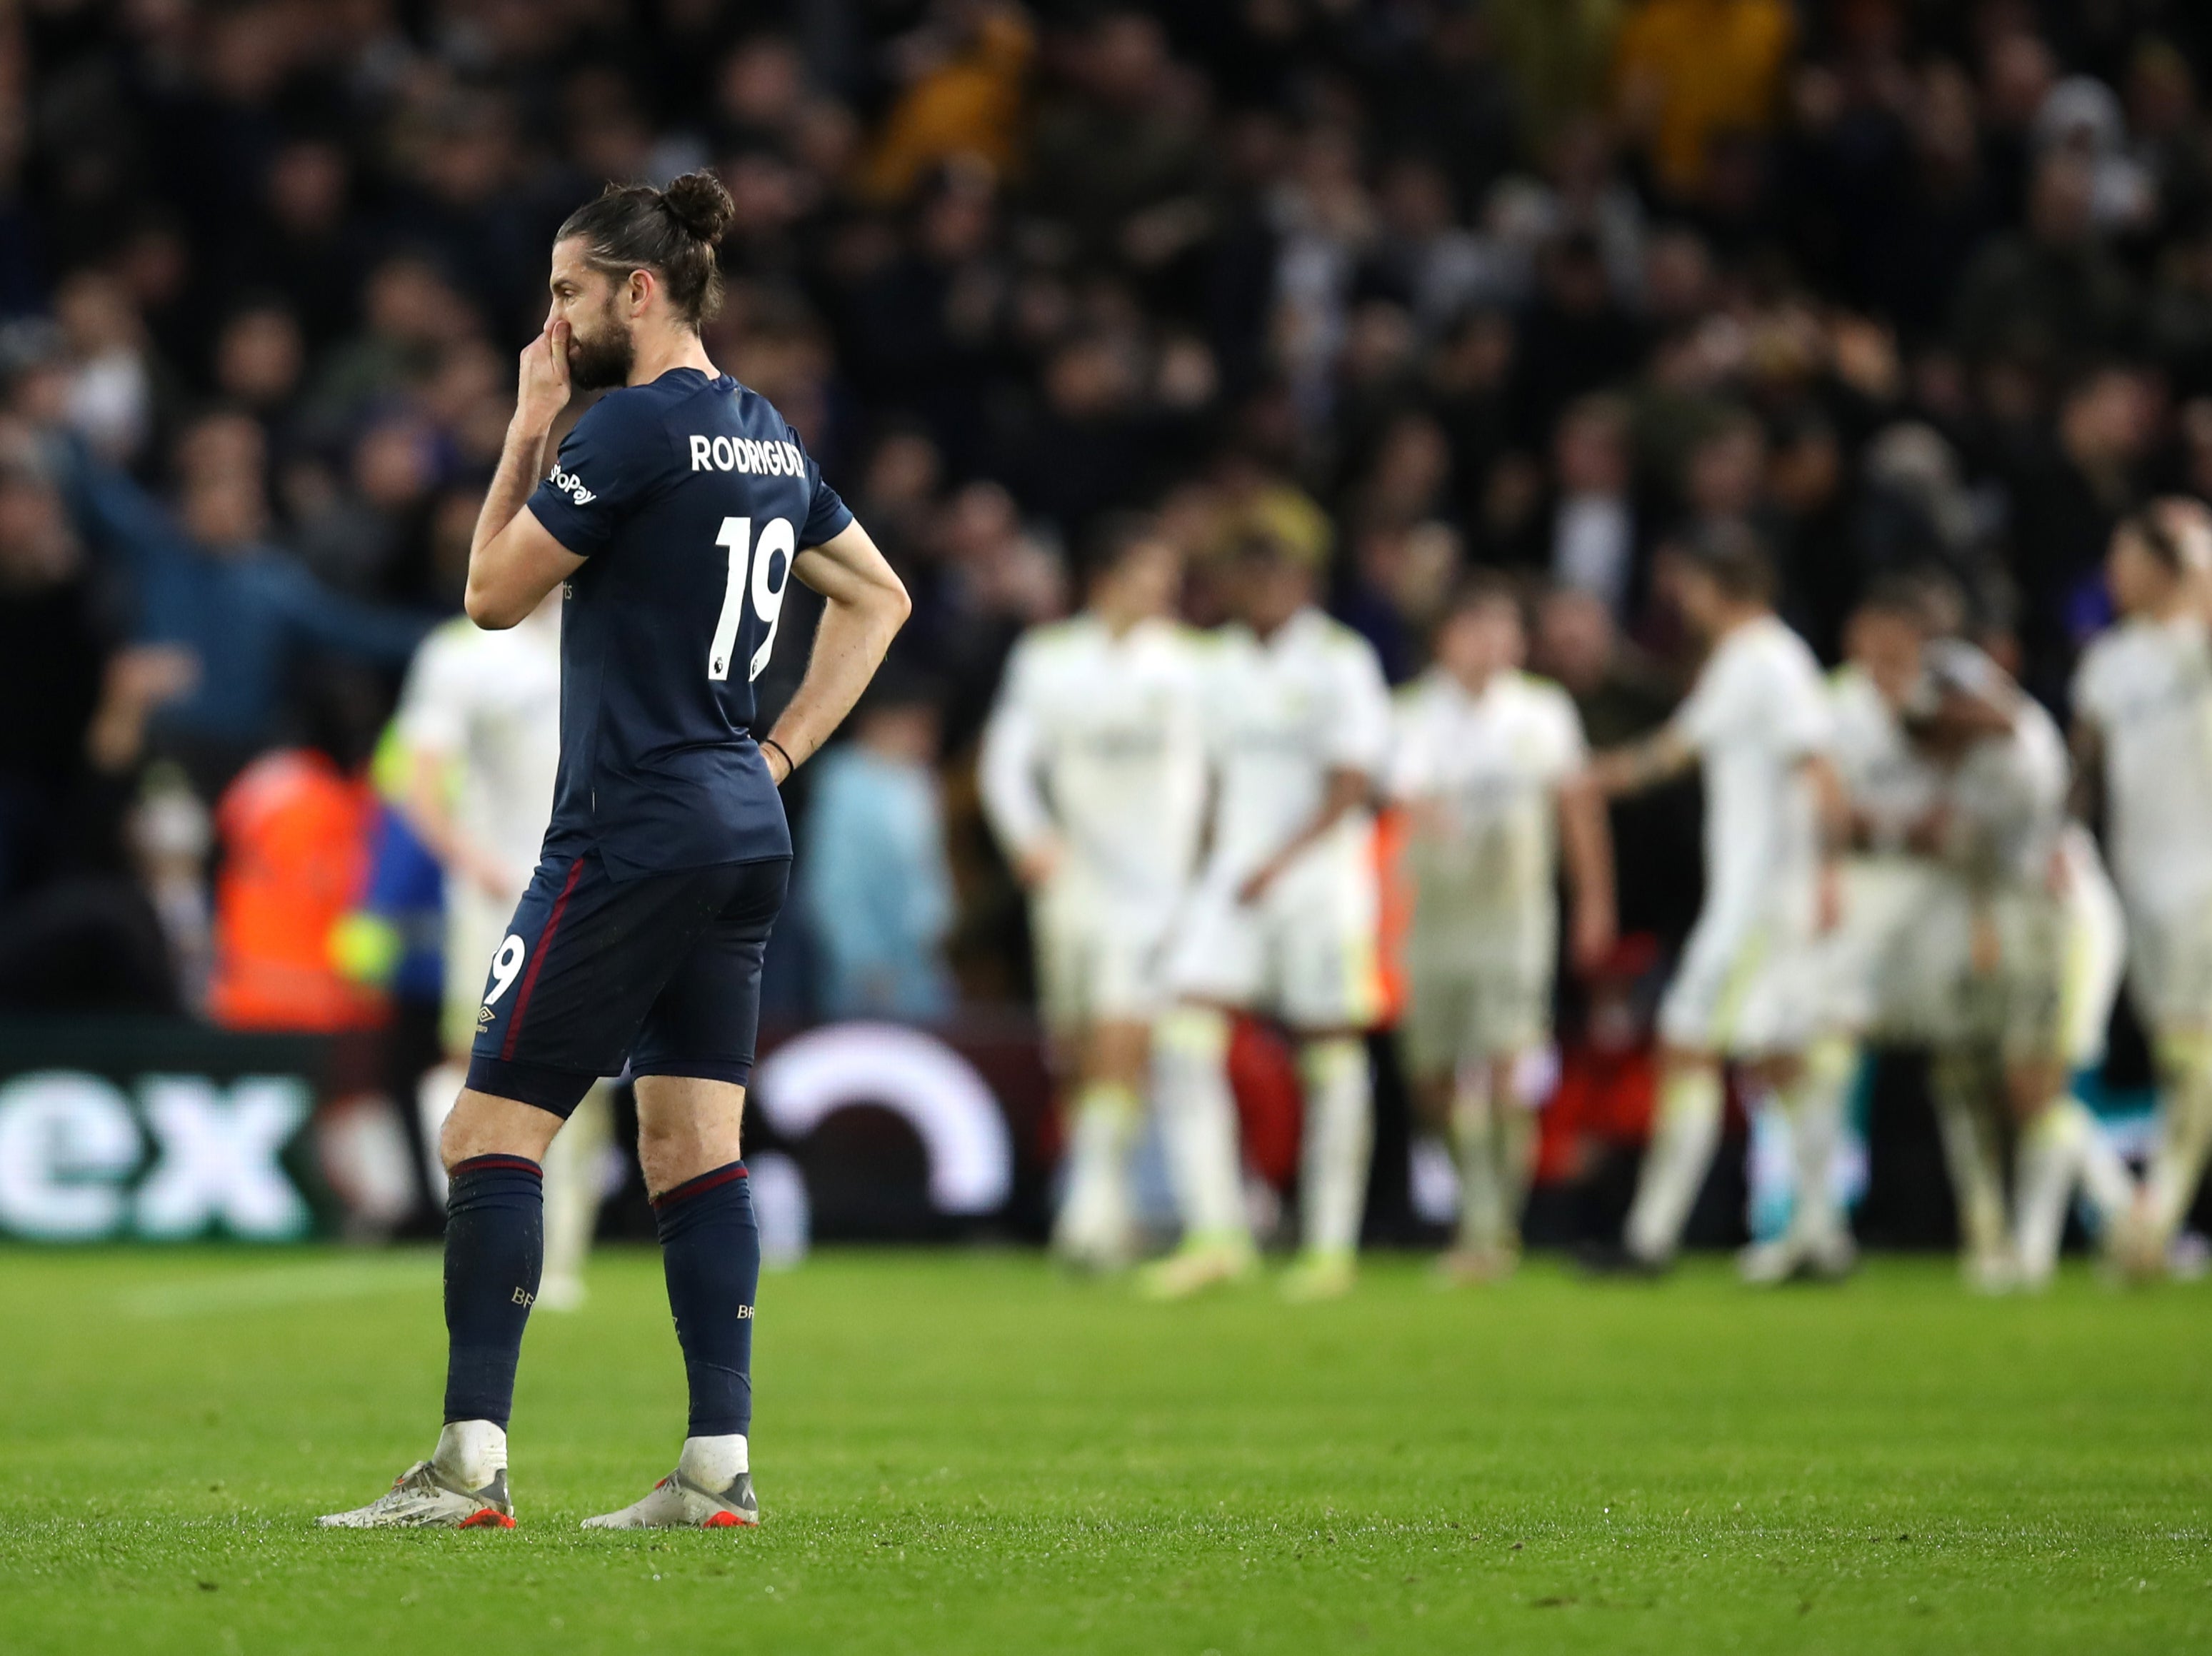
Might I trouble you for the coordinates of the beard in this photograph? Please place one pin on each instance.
(600, 360)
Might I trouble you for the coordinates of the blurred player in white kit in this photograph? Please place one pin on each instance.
(1093, 775)
(1488, 761)
(1897, 965)
(480, 721)
(1746, 989)
(2044, 957)
(2143, 705)
(1282, 922)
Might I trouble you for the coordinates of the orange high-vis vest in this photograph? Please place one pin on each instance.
(295, 837)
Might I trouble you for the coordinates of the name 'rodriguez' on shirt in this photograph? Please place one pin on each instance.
(745, 454)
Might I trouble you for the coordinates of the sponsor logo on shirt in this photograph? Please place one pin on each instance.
(572, 486)
(746, 455)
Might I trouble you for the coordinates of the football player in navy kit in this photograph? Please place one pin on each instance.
(677, 514)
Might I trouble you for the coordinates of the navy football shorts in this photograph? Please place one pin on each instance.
(662, 972)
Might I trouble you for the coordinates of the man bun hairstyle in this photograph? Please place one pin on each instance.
(672, 231)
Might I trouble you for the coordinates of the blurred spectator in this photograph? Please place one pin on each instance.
(410, 315)
(2054, 293)
(878, 894)
(1622, 695)
(1423, 259)
(305, 246)
(73, 705)
(370, 535)
(1117, 162)
(1689, 72)
(295, 831)
(209, 583)
(1594, 524)
(1558, 53)
(1576, 337)
(990, 580)
(260, 359)
(920, 324)
(1619, 694)
(111, 391)
(2067, 492)
(965, 69)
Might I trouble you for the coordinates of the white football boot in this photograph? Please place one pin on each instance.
(1200, 1264)
(677, 1503)
(422, 1498)
(1318, 1274)
(1771, 1262)
(463, 1486)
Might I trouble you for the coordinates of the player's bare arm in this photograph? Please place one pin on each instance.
(1007, 777)
(2086, 794)
(1833, 808)
(1640, 766)
(1586, 848)
(866, 604)
(1347, 791)
(426, 805)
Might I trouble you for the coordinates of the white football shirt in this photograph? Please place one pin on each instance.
(2146, 685)
(489, 704)
(1892, 787)
(1758, 710)
(1099, 740)
(2007, 799)
(1484, 769)
(1281, 715)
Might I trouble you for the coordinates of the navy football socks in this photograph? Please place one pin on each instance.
(710, 1249)
(494, 1247)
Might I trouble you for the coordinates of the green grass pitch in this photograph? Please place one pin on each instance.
(961, 1452)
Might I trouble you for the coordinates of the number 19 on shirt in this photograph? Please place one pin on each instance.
(776, 536)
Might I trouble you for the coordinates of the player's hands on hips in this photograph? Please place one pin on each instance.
(542, 388)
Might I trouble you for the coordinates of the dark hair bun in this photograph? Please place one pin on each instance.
(701, 205)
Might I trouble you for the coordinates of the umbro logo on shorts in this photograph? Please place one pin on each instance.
(484, 1016)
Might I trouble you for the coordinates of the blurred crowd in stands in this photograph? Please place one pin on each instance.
(1541, 285)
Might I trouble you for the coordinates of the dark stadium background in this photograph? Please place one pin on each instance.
(1904, 284)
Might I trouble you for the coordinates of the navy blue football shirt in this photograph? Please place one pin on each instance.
(688, 498)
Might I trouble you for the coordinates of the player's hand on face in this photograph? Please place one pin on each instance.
(542, 388)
